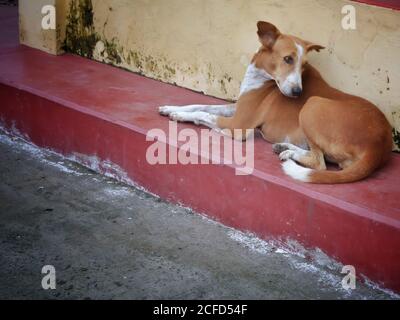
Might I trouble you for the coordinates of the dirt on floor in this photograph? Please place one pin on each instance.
(107, 240)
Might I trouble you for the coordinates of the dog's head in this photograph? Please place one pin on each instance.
(283, 57)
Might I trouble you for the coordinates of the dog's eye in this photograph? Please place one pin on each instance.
(288, 59)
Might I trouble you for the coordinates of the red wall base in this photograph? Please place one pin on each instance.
(263, 205)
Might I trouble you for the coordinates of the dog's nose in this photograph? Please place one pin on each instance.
(296, 91)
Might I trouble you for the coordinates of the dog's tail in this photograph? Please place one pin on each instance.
(358, 170)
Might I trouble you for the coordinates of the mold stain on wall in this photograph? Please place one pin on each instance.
(82, 38)
(396, 139)
(395, 132)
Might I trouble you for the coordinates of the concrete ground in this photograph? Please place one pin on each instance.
(108, 240)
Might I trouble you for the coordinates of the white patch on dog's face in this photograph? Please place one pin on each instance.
(292, 85)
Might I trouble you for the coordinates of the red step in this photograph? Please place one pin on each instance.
(391, 4)
(79, 107)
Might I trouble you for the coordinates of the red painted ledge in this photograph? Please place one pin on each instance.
(79, 107)
(390, 4)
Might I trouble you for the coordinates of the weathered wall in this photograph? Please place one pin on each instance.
(30, 28)
(205, 45)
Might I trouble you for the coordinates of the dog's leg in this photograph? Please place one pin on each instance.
(218, 123)
(278, 148)
(217, 117)
(312, 159)
(197, 117)
(233, 129)
(226, 110)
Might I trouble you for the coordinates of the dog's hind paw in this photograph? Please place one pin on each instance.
(286, 155)
(278, 148)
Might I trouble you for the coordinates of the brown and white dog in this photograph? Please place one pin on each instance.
(309, 121)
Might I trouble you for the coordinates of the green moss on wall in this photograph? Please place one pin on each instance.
(80, 37)
(85, 39)
(135, 59)
(112, 49)
(86, 10)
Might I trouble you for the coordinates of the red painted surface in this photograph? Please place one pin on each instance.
(392, 4)
(73, 105)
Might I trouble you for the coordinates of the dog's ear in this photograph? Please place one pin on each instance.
(267, 33)
(312, 46)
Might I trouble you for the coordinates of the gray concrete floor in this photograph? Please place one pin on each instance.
(108, 240)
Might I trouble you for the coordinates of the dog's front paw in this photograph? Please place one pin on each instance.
(286, 155)
(166, 110)
(177, 116)
(278, 148)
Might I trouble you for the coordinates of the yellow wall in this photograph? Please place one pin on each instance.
(30, 25)
(205, 45)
